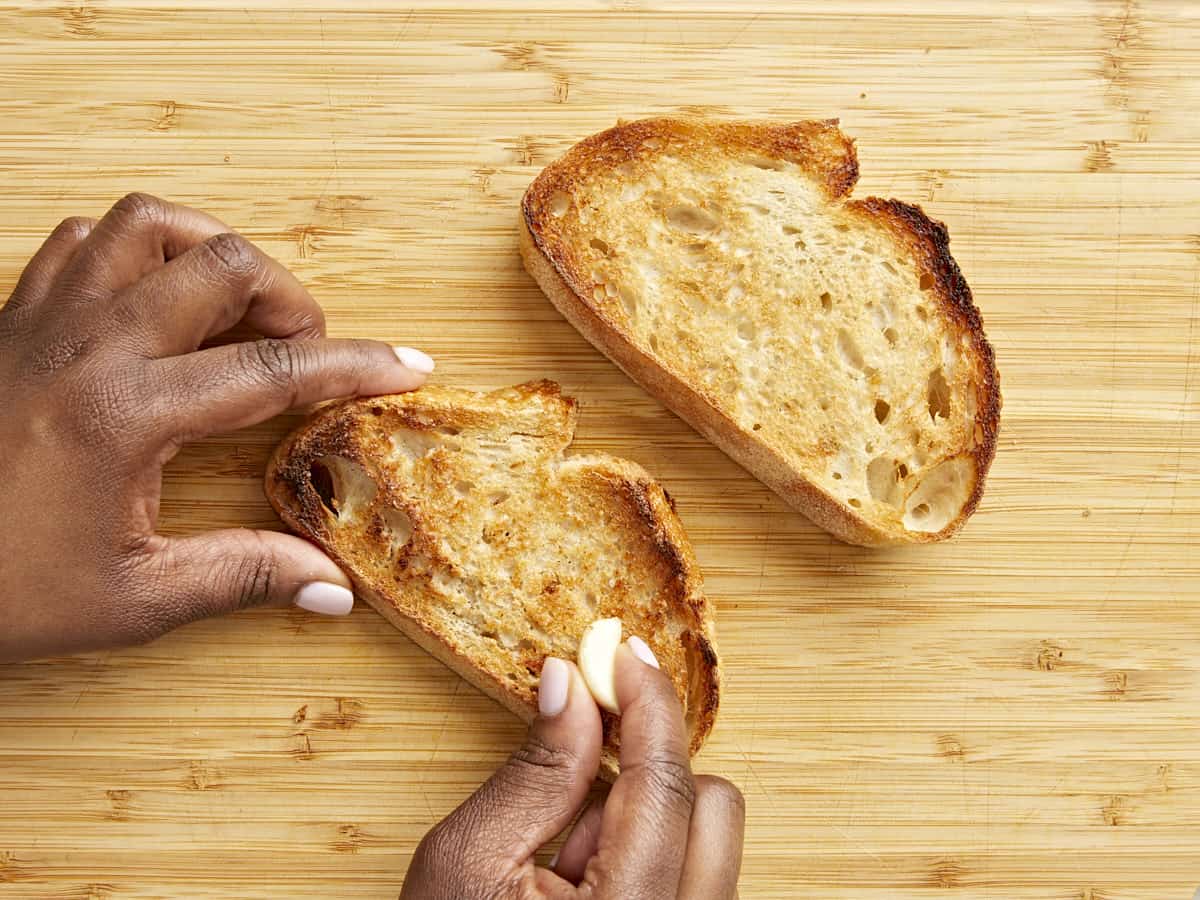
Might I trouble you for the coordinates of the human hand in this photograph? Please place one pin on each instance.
(102, 381)
(661, 834)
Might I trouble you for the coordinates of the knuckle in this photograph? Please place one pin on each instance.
(253, 576)
(232, 256)
(139, 210)
(536, 761)
(275, 360)
(722, 793)
(672, 782)
(73, 229)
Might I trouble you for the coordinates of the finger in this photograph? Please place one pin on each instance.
(230, 387)
(223, 571)
(580, 845)
(210, 288)
(714, 847)
(643, 833)
(134, 238)
(48, 263)
(533, 796)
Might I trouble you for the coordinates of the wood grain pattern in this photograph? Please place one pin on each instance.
(1013, 714)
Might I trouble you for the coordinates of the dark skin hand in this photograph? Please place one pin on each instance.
(661, 834)
(102, 380)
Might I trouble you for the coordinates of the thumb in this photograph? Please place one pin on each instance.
(224, 571)
(538, 791)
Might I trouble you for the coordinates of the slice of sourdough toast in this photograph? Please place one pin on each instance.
(829, 345)
(461, 519)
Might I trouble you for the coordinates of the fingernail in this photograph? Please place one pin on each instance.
(325, 598)
(414, 360)
(642, 650)
(552, 690)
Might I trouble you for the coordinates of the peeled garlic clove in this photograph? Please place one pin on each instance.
(597, 661)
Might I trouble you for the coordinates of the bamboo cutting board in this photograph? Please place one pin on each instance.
(1015, 714)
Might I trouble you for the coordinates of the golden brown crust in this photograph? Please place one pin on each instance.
(450, 429)
(828, 156)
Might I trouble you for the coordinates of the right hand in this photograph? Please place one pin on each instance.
(661, 834)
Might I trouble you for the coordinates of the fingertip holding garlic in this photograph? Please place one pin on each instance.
(598, 661)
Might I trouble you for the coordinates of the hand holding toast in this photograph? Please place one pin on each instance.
(101, 382)
(662, 833)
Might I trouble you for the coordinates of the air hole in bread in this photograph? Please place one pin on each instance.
(824, 404)
(654, 342)
(757, 426)
(759, 208)
(764, 162)
(691, 219)
(882, 410)
(629, 301)
(891, 336)
(926, 281)
(851, 355)
(398, 526)
(600, 247)
(841, 226)
(902, 471)
(940, 495)
(790, 230)
(887, 265)
(462, 488)
(883, 480)
(448, 430)
(855, 502)
(746, 330)
(377, 410)
(938, 395)
(837, 476)
(560, 201)
(322, 482)
(800, 245)
(922, 313)
(498, 497)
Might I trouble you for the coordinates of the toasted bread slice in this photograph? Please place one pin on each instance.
(460, 518)
(828, 345)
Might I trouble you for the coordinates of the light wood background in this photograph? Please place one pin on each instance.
(1015, 714)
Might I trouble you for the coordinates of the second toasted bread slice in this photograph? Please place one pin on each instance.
(829, 345)
(460, 518)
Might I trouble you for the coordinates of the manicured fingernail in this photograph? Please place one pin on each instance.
(642, 650)
(414, 360)
(325, 598)
(552, 690)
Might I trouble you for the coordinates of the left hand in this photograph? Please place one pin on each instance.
(101, 382)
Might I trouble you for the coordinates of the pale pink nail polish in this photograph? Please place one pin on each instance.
(325, 598)
(414, 360)
(642, 651)
(552, 690)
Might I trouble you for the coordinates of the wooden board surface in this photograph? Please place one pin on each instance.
(1015, 714)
